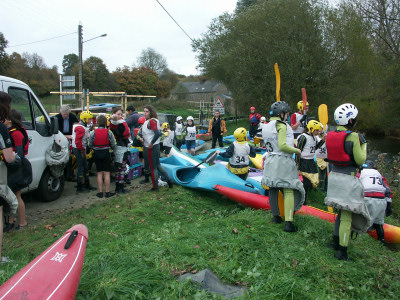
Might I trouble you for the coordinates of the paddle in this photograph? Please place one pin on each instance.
(210, 157)
(304, 94)
(278, 82)
(323, 115)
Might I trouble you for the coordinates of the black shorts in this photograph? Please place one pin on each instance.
(102, 159)
(167, 150)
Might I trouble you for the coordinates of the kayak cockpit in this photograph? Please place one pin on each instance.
(187, 175)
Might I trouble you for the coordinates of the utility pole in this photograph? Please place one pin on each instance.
(80, 62)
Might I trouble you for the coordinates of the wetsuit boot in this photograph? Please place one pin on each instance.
(276, 219)
(341, 254)
(80, 188)
(289, 227)
(145, 180)
(380, 233)
(335, 243)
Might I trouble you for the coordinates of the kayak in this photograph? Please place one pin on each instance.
(191, 159)
(53, 274)
(257, 161)
(205, 178)
(392, 233)
(204, 136)
(199, 146)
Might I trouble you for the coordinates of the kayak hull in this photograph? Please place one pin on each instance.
(206, 178)
(53, 274)
(392, 233)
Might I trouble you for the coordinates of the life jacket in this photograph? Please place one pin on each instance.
(101, 138)
(253, 119)
(84, 138)
(125, 134)
(240, 157)
(148, 134)
(308, 151)
(191, 133)
(25, 141)
(374, 185)
(335, 146)
(302, 126)
(270, 138)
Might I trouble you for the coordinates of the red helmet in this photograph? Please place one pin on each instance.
(252, 108)
(141, 120)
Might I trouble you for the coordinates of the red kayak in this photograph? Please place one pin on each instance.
(392, 233)
(54, 274)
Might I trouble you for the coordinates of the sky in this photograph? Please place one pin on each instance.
(131, 26)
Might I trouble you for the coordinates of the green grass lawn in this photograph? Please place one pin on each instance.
(139, 242)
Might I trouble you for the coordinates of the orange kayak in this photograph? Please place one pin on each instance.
(392, 233)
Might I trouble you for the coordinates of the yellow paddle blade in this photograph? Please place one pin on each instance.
(281, 205)
(323, 114)
(278, 82)
(256, 140)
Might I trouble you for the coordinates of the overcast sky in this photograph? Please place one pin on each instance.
(131, 26)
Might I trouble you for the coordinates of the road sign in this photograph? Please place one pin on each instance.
(219, 106)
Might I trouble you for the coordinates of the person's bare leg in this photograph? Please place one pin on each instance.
(107, 181)
(100, 181)
(21, 209)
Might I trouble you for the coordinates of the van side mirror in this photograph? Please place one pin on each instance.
(53, 125)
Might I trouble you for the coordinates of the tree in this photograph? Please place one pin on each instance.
(241, 50)
(34, 61)
(151, 59)
(4, 60)
(242, 5)
(68, 63)
(170, 77)
(96, 76)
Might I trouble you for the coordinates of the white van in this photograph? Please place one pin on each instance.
(41, 135)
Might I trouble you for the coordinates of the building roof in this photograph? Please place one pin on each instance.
(197, 87)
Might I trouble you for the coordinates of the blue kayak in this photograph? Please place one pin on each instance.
(203, 178)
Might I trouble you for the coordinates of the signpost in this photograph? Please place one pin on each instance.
(67, 81)
(219, 106)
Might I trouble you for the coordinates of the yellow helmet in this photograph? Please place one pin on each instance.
(314, 125)
(165, 125)
(41, 119)
(300, 105)
(86, 115)
(240, 135)
(108, 120)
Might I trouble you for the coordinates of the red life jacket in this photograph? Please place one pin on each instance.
(25, 141)
(101, 138)
(136, 131)
(335, 147)
(125, 135)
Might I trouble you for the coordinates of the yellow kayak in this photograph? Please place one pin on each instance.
(257, 161)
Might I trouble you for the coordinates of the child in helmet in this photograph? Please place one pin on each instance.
(80, 136)
(121, 132)
(280, 171)
(258, 136)
(167, 138)
(254, 120)
(190, 132)
(299, 119)
(308, 143)
(238, 154)
(378, 197)
(137, 143)
(346, 151)
(179, 137)
(101, 140)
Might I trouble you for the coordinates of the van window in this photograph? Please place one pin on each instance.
(20, 102)
(41, 123)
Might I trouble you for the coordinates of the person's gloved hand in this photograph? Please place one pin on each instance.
(303, 118)
(362, 139)
(389, 209)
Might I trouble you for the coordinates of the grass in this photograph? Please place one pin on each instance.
(139, 242)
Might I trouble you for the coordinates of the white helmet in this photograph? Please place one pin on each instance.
(344, 113)
(263, 119)
(178, 118)
(189, 118)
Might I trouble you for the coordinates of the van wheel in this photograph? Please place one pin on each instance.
(50, 188)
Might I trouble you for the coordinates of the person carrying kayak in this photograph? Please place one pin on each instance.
(308, 143)
(378, 197)
(347, 151)
(254, 120)
(179, 137)
(299, 119)
(280, 170)
(150, 137)
(238, 153)
(217, 128)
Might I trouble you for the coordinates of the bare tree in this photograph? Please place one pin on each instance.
(150, 58)
(34, 61)
(383, 18)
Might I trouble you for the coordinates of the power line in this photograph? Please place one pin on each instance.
(175, 21)
(42, 40)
